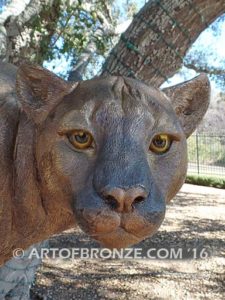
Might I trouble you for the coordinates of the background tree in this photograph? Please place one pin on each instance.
(49, 30)
(82, 32)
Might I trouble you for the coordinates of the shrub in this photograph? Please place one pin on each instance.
(212, 181)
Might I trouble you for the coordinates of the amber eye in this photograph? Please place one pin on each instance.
(160, 144)
(81, 139)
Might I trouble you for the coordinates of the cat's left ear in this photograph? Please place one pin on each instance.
(39, 91)
(190, 100)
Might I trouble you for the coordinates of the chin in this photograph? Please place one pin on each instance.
(119, 238)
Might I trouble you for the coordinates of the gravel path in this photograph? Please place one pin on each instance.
(195, 223)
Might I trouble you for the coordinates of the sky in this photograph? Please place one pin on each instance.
(211, 45)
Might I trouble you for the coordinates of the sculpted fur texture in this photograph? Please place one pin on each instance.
(106, 154)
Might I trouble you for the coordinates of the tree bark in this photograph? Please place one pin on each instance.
(153, 47)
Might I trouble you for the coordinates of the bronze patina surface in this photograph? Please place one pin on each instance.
(106, 154)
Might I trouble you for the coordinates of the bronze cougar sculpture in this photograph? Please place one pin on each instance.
(106, 153)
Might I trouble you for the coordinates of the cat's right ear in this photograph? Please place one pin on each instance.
(190, 100)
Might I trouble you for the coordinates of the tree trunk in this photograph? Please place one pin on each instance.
(153, 47)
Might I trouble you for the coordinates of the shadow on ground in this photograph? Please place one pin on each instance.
(194, 221)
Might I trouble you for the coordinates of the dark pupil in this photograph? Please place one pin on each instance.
(160, 143)
(81, 138)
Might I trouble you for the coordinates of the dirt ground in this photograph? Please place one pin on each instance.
(195, 223)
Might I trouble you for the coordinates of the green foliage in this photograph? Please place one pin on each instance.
(42, 27)
(208, 149)
(68, 27)
(211, 181)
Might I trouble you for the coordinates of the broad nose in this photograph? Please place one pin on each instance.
(123, 200)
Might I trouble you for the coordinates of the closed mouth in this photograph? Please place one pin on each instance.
(99, 235)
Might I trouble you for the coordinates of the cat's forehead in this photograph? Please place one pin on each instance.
(112, 100)
(118, 95)
(126, 91)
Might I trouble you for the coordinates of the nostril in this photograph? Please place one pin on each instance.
(111, 201)
(139, 199)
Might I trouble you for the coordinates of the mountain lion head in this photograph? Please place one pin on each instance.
(112, 151)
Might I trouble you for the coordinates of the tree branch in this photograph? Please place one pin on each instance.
(15, 34)
(15, 8)
(81, 64)
(204, 69)
(153, 47)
